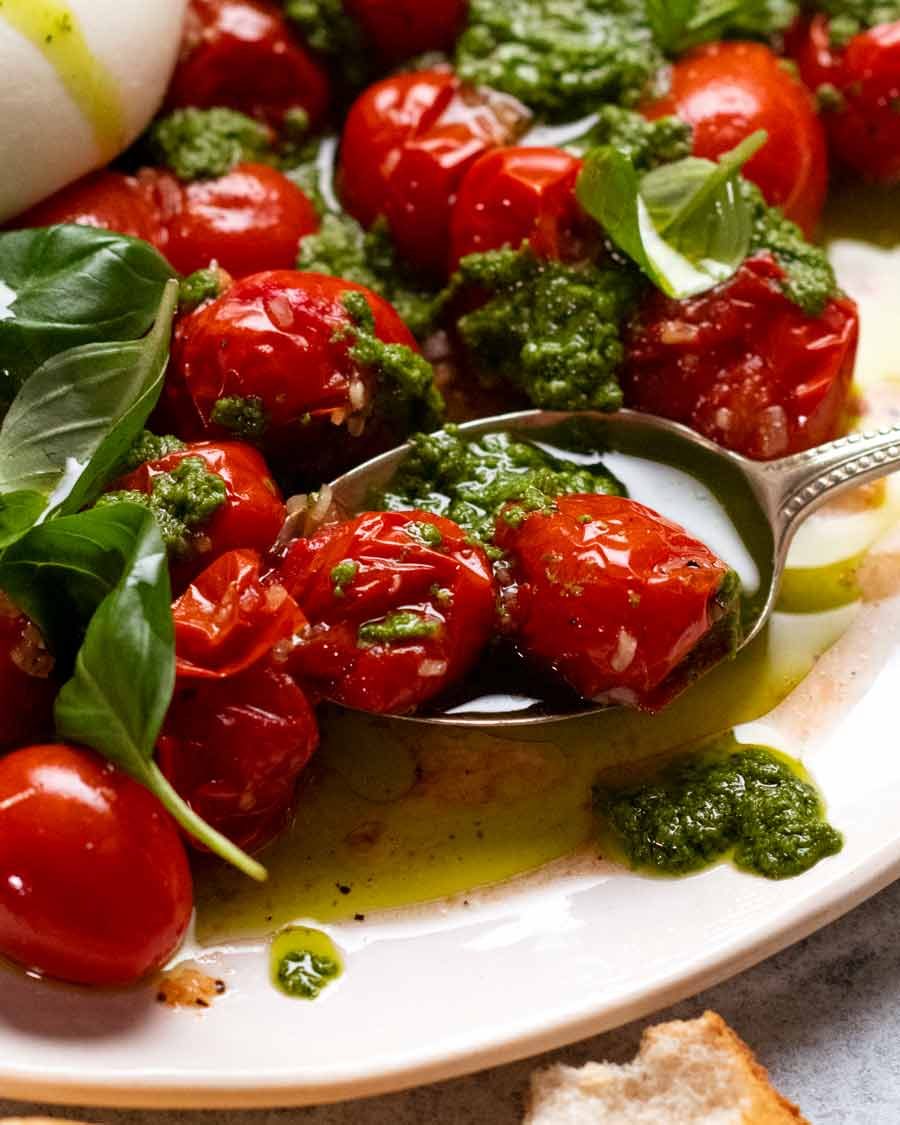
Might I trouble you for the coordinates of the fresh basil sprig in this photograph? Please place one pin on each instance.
(687, 224)
(678, 25)
(73, 285)
(103, 574)
(75, 418)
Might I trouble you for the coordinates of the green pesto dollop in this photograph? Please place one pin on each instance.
(203, 144)
(303, 962)
(342, 575)
(198, 287)
(342, 248)
(150, 447)
(471, 480)
(647, 144)
(560, 57)
(810, 280)
(244, 416)
(398, 626)
(553, 330)
(748, 803)
(181, 501)
(850, 17)
(329, 29)
(406, 390)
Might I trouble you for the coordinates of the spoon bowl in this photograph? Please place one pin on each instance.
(746, 511)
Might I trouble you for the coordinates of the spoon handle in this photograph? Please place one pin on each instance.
(795, 486)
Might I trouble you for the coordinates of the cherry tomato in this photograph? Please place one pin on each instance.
(248, 220)
(513, 194)
(105, 199)
(94, 881)
(242, 54)
(743, 364)
(235, 748)
(400, 605)
(863, 81)
(608, 594)
(27, 684)
(407, 143)
(228, 619)
(727, 91)
(253, 511)
(281, 340)
(399, 29)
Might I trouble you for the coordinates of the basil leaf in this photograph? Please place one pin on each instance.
(668, 19)
(70, 285)
(686, 224)
(104, 574)
(678, 25)
(18, 512)
(77, 415)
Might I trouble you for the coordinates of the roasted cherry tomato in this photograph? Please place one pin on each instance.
(859, 91)
(399, 29)
(608, 594)
(400, 605)
(235, 748)
(27, 684)
(105, 199)
(242, 54)
(251, 516)
(248, 220)
(94, 881)
(513, 194)
(228, 619)
(727, 91)
(271, 359)
(743, 364)
(407, 142)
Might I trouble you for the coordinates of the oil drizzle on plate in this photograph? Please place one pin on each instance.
(54, 30)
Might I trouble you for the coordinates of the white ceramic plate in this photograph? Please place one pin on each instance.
(576, 949)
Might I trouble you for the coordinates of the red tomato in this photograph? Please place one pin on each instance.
(407, 143)
(228, 619)
(105, 199)
(248, 220)
(94, 881)
(399, 29)
(861, 118)
(242, 54)
(608, 594)
(412, 564)
(744, 365)
(27, 685)
(235, 748)
(727, 91)
(253, 511)
(280, 339)
(513, 194)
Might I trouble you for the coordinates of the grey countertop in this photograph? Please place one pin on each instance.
(823, 1016)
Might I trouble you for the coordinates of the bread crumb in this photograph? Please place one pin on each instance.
(187, 986)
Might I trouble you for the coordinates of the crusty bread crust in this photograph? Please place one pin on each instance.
(696, 1070)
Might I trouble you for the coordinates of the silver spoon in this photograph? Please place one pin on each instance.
(685, 477)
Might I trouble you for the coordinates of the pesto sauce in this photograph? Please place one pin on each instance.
(747, 803)
(850, 17)
(150, 447)
(203, 144)
(244, 416)
(647, 144)
(471, 480)
(303, 962)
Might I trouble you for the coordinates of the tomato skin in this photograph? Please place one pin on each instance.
(513, 194)
(234, 748)
(253, 511)
(407, 142)
(864, 130)
(726, 91)
(395, 571)
(248, 220)
(612, 603)
(399, 29)
(275, 337)
(744, 365)
(243, 54)
(228, 619)
(27, 685)
(95, 886)
(105, 199)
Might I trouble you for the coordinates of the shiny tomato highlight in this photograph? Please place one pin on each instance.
(105, 199)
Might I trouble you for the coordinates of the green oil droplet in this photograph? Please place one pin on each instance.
(54, 30)
(304, 961)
